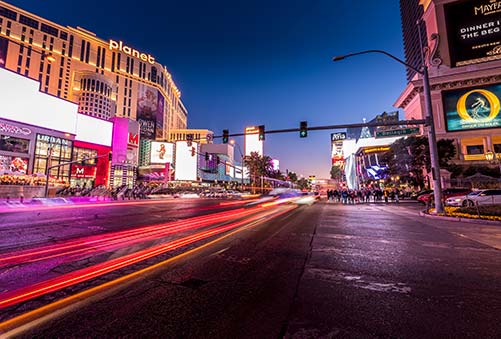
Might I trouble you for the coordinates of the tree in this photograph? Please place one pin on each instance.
(293, 177)
(337, 173)
(258, 166)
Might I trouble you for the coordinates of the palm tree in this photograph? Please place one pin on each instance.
(258, 166)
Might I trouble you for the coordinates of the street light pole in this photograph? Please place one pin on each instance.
(233, 142)
(432, 139)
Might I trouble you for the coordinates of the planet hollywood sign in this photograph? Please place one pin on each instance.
(119, 46)
(13, 129)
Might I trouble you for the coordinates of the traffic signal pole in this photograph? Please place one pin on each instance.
(331, 127)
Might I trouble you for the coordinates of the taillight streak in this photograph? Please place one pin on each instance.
(69, 279)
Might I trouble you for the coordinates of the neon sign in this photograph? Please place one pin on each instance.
(119, 46)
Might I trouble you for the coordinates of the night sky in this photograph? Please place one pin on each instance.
(241, 63)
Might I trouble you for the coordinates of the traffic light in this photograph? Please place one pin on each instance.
(206, 156)
(303, 129)
(193, 151)
(261, 133)
(110, 156)
(189, 139)
(226, 136)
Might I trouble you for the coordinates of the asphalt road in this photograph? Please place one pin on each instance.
(363, 271)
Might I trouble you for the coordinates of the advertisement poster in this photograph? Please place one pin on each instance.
(474, 31)
(4, 44)
(13, 165)
(160, 117)
(147, 107)
(161, 153)
(472, 108)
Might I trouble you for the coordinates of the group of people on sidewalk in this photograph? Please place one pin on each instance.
(346, 196)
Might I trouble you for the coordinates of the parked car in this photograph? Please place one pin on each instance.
(482, 197)
(446, 193)
(415, 195)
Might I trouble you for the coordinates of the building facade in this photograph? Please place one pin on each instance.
(105, 78)
(464, 61)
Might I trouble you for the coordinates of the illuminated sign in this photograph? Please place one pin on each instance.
(252, 142)
(338, 136)
(119, 46)
(476, 108)
(78, 171)
(376, 149)
(474, 31)
(4, 127)
(133, 140)
(186, 164)
(161, 153)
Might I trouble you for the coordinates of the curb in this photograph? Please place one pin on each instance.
(458, 219)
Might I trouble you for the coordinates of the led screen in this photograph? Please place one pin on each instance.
(472, 108)
(473, 31)
(186, 164)
(252, 142)
(13, 165)
(21, 101)
(161, 152)
(94, 131)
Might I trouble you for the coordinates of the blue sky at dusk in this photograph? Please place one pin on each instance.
(242, 63)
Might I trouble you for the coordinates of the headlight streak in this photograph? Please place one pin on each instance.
(13, 297)
(25, 321)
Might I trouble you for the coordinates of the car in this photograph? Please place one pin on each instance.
(446, 193)
(482, 197)
(415, 195)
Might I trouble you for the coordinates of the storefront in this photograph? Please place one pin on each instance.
(29, 150)
(94, 171)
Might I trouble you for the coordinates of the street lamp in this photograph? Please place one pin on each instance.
(432, 139)
(233, 142)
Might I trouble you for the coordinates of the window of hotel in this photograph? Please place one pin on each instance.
(475, 149)
(9, 14)
(13, 144)
(28, 21)
(63, 35)
(497, 148)
(49, 29)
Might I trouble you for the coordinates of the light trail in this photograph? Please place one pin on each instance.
(26, 293)
(30, 319)
(118, 239)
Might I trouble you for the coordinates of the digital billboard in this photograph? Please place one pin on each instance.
(13, 165)
(473, 31)
(252, 142)
(161, 152)
(147, 108)
(472, 108)
(125, 141)
(186, 164)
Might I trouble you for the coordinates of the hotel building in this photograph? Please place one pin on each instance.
(105, 78)
(464, 60)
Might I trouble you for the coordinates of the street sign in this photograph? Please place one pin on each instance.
(338, 136)
(397, 132)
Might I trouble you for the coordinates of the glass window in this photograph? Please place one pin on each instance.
(475, 149)
(28, 21)
(12, 144)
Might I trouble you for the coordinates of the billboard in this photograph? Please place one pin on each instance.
(4, 44)
(472, 108)
(125, 141)
(161, 153)
(160, 117)
(473, 31)
(186, 164)
(147, 108)
(252, 142)
(337, 154)
(13, 165)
